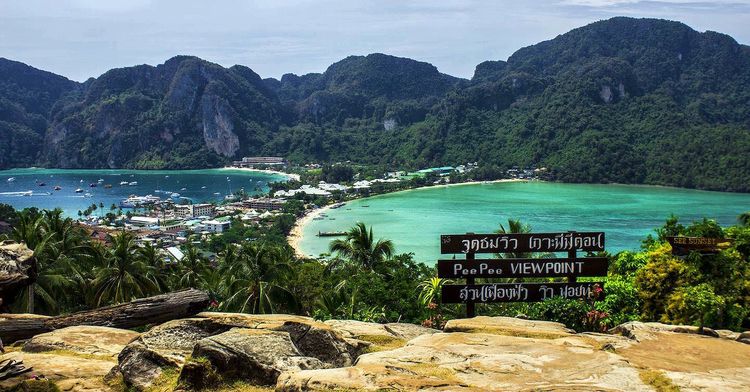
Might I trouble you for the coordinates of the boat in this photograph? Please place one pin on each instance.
(157, 191)
(87, 194)
(183, 189)
(133, 183)
(57, 187)
(203, 187)
(108, 186)
(230, 197)
(11, 179)
(100, 180)
(217, 193)
(174, 195)
(318, 218)
(365, 206)
(41, 184)
(79, 190)
(81, 181)
(27, 193)
(92, 185)
(123, 183)
(331, 233)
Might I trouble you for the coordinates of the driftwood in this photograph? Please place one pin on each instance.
(143, 311)
(11, 368)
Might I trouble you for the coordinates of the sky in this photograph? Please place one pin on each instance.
(85, 38)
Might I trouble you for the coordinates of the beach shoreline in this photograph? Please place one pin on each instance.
(295, 235)
(290, 176)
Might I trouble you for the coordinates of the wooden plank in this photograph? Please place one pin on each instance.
(521, 243)
(523, 268)
(517, 292)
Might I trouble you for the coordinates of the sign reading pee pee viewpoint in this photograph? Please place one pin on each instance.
(570, 267)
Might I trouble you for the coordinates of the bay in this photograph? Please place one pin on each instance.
(209, 185)
(415, 219)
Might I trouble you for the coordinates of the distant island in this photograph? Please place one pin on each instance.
(625, 100)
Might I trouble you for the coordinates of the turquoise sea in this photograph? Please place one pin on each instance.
(196, 185)
(415, 219)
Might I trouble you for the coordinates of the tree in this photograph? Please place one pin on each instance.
(359, 247)
(254, 280)
(692, 304)
(124, 276)
(192, 268)
(744, 218)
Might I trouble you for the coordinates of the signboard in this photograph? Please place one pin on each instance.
(527, 242)
(684, 245)
(518, 292)
(522, 268)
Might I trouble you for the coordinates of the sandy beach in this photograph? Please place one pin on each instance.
(291, 176)
(295, 235)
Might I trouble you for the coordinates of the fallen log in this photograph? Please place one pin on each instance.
(140, 312)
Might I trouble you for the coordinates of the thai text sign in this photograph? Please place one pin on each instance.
(520, 292)
(527, 242)
(522, 268)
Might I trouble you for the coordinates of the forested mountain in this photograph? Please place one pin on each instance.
(622, 100)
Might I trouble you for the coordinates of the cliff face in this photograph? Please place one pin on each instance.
(293, 353)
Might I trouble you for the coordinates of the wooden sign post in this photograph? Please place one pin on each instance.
(471, 268)
(682, 246)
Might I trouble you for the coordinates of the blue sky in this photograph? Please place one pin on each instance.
(84, 38)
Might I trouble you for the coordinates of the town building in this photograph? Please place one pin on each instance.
(194, 210)
(260, 161)
(264, 204)
(214, 226)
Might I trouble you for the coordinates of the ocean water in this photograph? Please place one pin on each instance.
(196, 185)
(414, 220)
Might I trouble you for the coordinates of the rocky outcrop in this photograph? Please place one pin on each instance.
(640, 331)
(17, 270)
(218, 126)
(69, 372)
(255, 356)
(88, 340)
(509, 326)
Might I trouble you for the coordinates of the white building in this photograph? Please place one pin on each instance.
(306, 189)
(194, 210)
(214, 226)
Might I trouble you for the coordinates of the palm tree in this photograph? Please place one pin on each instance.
(124, 276)
(360, 247)
(253, 280)
(193, 266)
(744, 218)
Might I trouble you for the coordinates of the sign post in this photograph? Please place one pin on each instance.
(470, 268)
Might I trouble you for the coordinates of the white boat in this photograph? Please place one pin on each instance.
(123, 183)
(79, 190)
(175, 195)
(217, 193)
(183, 189)
(27, 193)
(87, 194)
(203, 187)
(133, 183)
(11, 179)
(100, 180)
(157, 191)
(230, 197)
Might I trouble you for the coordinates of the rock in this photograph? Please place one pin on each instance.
(69, 372)
(727, 334)
(477, 361)
(17, 270)
(509, 326)
(639, 331)
(744, 337)
(167, 345)
(164, 346)
(255, 356)
(98, 341)
(359, 329)
(408, 331)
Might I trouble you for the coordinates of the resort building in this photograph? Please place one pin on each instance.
(307, 189)
(260, 161)
(194, 210)
(264, 204)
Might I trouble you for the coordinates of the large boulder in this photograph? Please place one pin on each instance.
(509, 326)
(17, 270)
(639, 331)
(255, 356)
(164, 346)
(88, 340)
(477, 361)
(69, 372)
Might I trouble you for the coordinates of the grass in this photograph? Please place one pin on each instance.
(658, 381)
(166, 382)
(382, 343)
(434, 371)
(68, 353)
